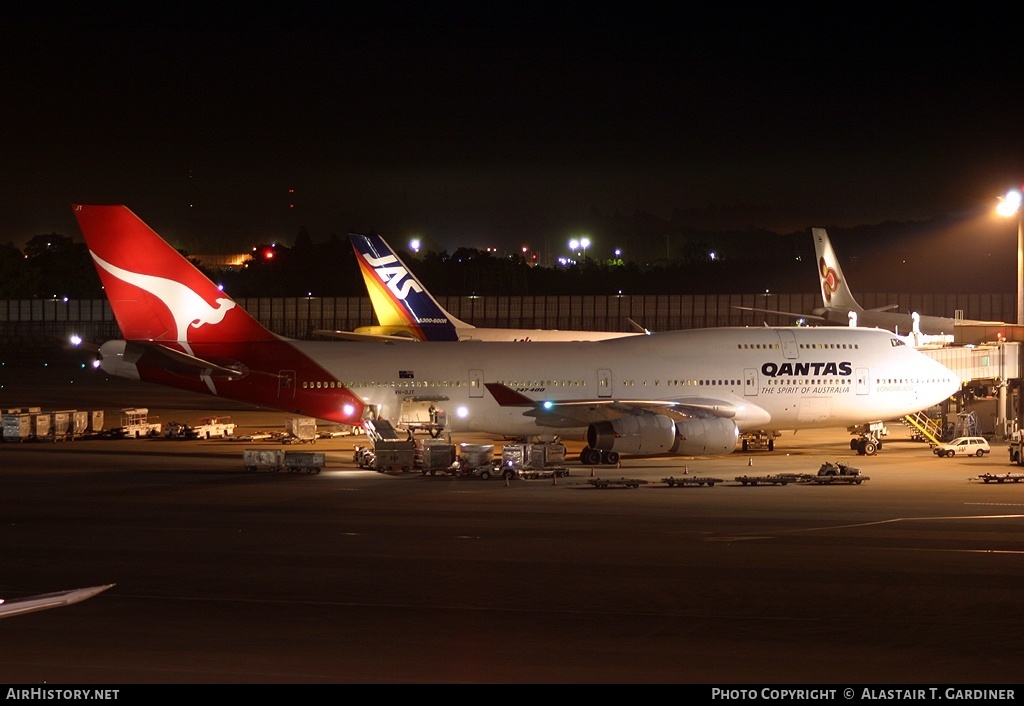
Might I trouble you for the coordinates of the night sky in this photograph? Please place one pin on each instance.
(472, 128)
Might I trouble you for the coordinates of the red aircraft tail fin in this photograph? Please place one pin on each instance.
(156, 294)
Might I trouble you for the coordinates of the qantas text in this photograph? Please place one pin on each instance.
(773, 370)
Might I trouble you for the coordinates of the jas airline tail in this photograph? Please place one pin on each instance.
(181, 330)
(402, 304)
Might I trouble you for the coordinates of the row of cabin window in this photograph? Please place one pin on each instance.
(806, 346)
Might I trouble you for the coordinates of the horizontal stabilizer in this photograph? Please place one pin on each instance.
(353, 336)
(177, 361)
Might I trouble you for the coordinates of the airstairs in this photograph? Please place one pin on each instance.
(924, 428)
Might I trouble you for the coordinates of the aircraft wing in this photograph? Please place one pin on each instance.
(580, 413)
(353, 336)
(20, 606)
(781, 313)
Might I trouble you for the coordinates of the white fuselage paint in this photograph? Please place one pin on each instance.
(767, 378)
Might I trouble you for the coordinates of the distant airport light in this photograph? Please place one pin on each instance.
(1009, 204)
(414, 245)
(76, 340)
(462, 412)
(348, 410)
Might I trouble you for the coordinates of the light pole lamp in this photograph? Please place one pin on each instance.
(1010, 205)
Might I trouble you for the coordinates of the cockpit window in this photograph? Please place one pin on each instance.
(896, 342)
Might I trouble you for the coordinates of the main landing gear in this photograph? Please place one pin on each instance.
(593, 457)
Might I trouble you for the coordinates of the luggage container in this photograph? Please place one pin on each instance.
(474, 457)
(303, 461)
(17, 426)
(79, 424)
(300, 430)
(40, 425)
(96, 421)
(433, 455)
(262, 460)
(61, 425)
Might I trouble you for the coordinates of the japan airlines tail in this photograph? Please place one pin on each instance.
(684, 392)
(406, 310)
(839, 306)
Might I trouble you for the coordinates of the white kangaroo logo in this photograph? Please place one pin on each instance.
(188, 308)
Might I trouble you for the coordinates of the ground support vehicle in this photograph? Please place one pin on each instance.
(617, 482)
(211, 428)
(495, 470)
(135, 424)
(1017, 449)
(963, 446)
(777, 479)
(673, 482)
(999, 477)
(550, 472)
(836, 474)
(758, 440)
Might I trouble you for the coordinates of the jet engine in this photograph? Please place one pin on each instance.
(648, 434)
(706, 436)
(640, 434)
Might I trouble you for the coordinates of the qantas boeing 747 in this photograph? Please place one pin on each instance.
(687, 392)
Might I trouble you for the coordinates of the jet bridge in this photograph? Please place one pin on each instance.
(990, 365)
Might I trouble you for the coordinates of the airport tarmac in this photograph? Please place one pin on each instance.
(351, 576)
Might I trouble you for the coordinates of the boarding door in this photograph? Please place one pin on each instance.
(750, 382)
(863, 381)
(604, 382)
(790, 349)
(476, 383)
(286, 385)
